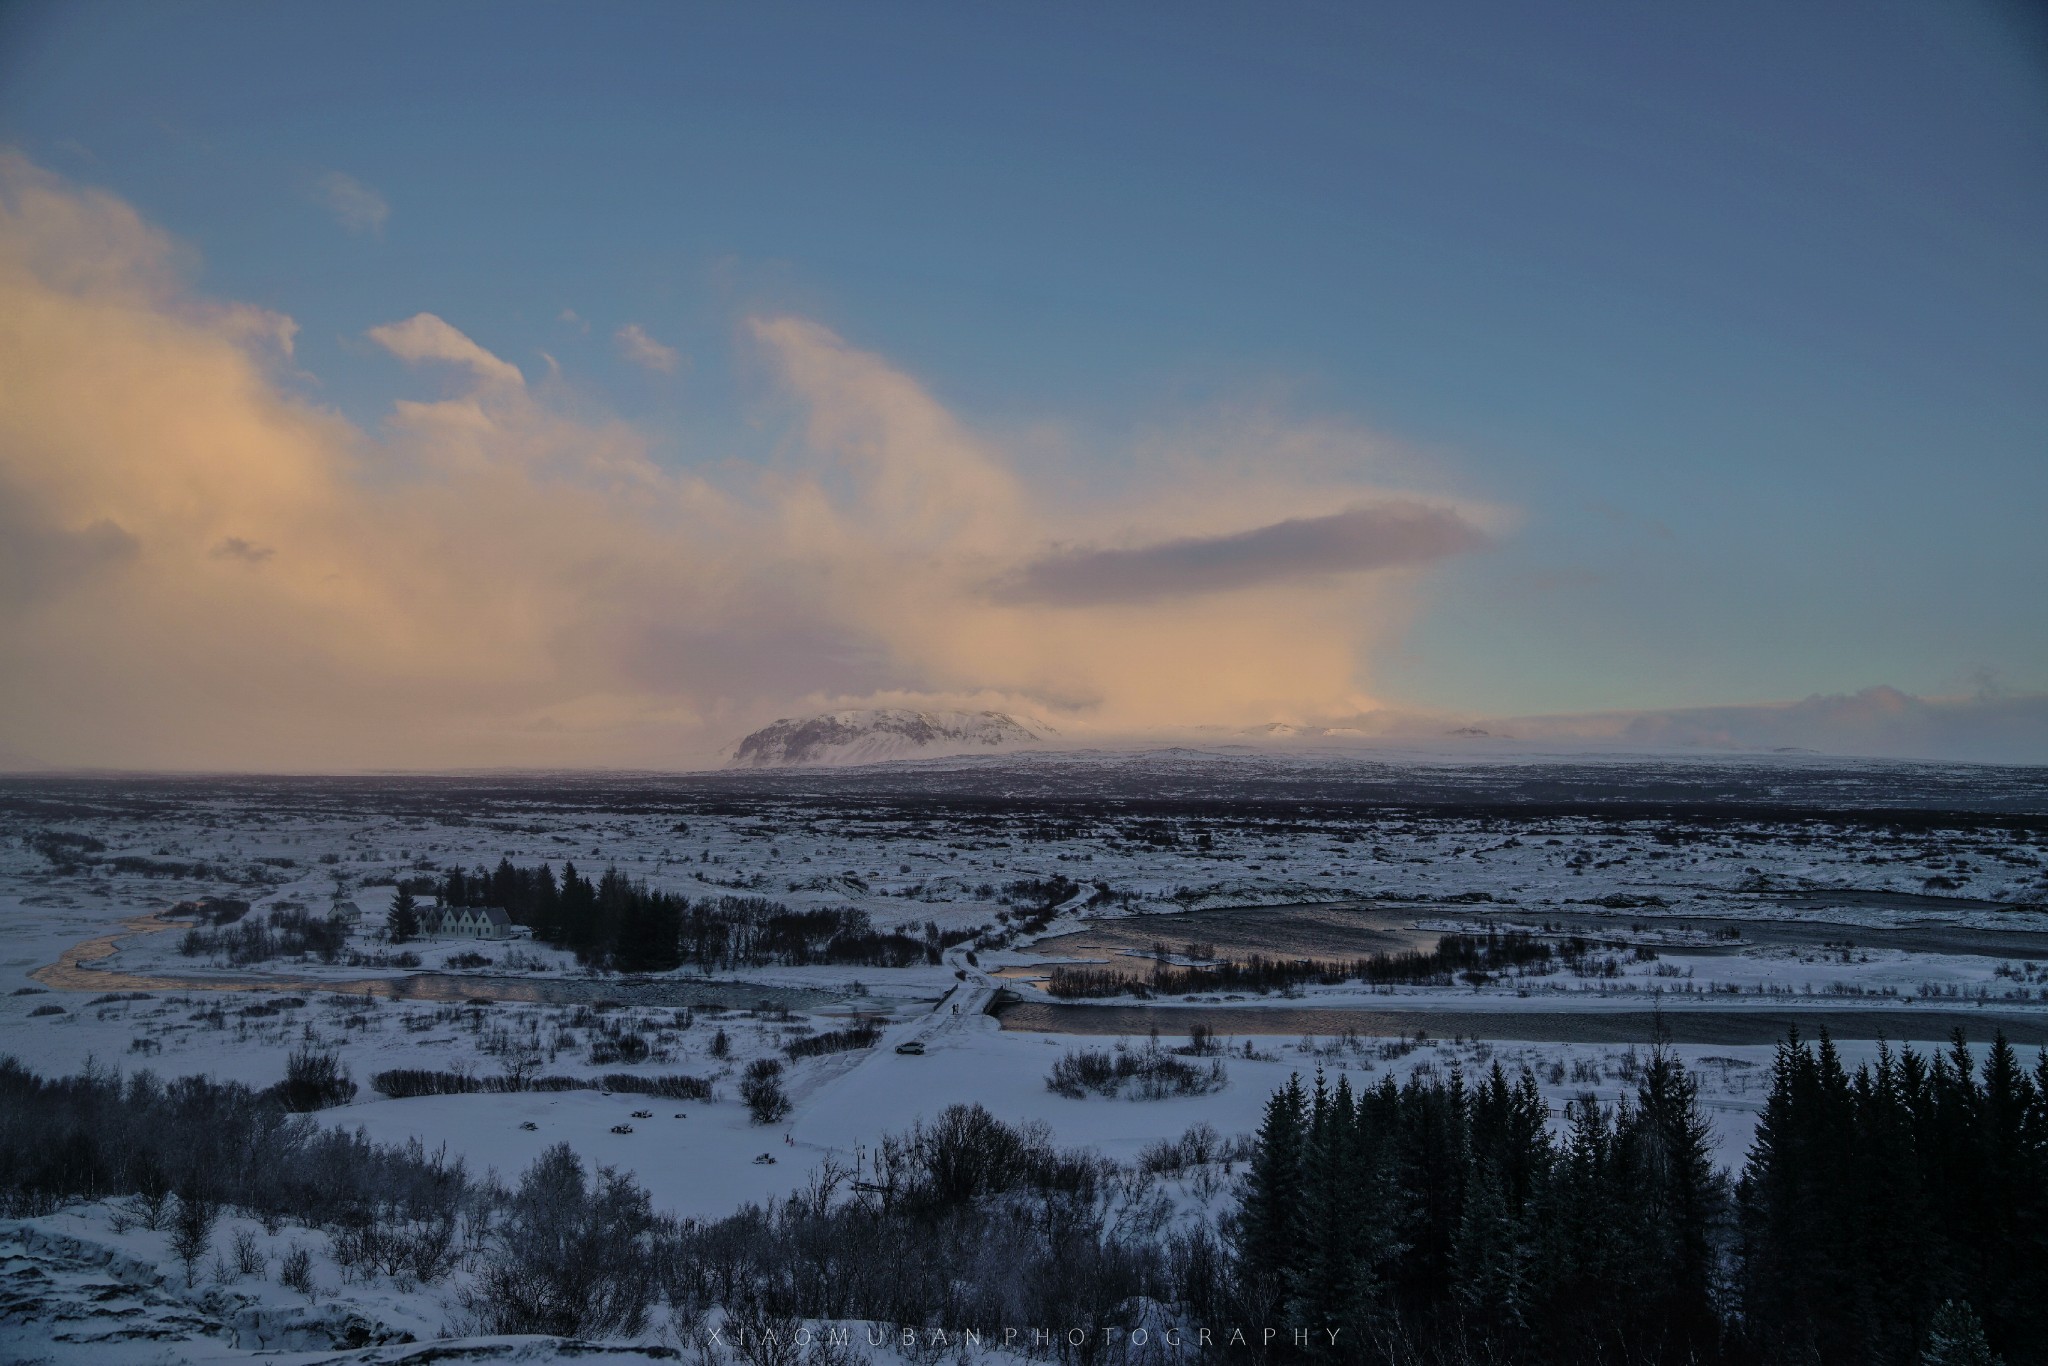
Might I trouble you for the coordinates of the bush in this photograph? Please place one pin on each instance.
(249, 1258)
(96, 1135)
(1149, 1073)
(834, 1041)
(288, 932)
(967, 1153)
(403, 1247)
(675, 1086)
(611, 1049)
(152, 1186)
(295, 1272)
(406, 1083)
(313, 1081)
(762, 1091)
(192, 1229)
(1198, 1147)
(574, 1258)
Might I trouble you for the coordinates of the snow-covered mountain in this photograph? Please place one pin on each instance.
(875, 735)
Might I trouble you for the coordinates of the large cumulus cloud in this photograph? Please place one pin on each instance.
(201, 568)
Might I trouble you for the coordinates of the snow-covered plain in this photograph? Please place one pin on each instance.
(1785, 886)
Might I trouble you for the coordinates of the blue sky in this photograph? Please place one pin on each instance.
(1737, 313)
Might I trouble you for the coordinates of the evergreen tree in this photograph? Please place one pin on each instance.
(1893, 1215)
(1582, 1259)
(505, 885)
(1956, 1338)
(1269, 1217)
(1490, 1288)
(1668, 1149)
(1324, 1286)
(402, 923)
(1871, 1202)
(577, 907)
(546, 911)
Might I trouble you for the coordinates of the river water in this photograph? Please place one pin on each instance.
(1726, 1025)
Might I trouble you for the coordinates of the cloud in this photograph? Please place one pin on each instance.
(354, 205)
(252, 324)
(424, 337)
(488, 578)
(237, 548)
(1379, 537)
(636, 346)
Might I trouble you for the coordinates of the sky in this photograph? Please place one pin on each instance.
(517, 384)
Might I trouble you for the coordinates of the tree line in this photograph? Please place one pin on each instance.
(1899, 1215)
(1893, 1215)
(1871, 1201)
(619, 922)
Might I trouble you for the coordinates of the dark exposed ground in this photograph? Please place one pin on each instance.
(1711, 791)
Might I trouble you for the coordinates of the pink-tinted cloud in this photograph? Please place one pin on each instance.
(199, 568)
(644, 351)
(424, 337)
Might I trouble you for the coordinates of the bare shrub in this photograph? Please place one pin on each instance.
(861, 1035)
(192, 1229)
(249, 1258)
(1199, 1146)
(1149, 1073)
(573, 1256)
(407, 1249)
(152, 1197)
(674, 1086)
(295, 1272)
(762, 1091)
(313, 1080)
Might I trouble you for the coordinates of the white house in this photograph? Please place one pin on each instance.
(469, 922)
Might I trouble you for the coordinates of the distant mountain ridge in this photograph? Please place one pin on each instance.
(879, 734)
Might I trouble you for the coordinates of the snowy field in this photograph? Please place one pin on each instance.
(1755, 889)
